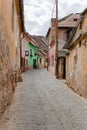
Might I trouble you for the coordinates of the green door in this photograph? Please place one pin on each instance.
(34, 64)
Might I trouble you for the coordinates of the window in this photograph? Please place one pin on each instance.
(80, 26)
(30, 52)
(34, 51)
(75, 61)
(40, 60)
(80, 43)
(12, 20)
(75, 19)
(26, 53)
(52, 60)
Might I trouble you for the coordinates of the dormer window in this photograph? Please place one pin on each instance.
(75, 19)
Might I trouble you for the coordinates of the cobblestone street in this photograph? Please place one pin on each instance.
(43, 103)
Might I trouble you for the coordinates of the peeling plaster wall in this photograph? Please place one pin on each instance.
(9, 52)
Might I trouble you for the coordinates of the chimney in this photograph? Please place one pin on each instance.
(53, 22)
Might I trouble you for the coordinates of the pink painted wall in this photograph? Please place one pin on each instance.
(24, 47)
(51, 55)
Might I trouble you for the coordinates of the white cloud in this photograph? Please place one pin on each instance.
(38, 13)
(73, 6)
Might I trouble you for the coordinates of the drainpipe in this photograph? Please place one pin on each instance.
(21, 37)
(56, 49)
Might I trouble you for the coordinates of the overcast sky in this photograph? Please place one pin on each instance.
(38, 13)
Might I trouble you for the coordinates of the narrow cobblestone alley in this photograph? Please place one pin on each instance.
(44, 103)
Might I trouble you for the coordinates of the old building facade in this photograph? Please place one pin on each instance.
(11, 26)
(30, 53)
(42, 44)
(42, 59)
(24, 52)
(77, 57)
(34, 51)
(65, 25)
(33, 55)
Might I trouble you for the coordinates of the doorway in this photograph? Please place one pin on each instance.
(62, 67)
(34, 64)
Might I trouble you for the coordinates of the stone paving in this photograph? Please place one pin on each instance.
(42, 102)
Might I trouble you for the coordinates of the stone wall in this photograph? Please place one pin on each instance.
(77, 69)
(77, 60)
(5, 72)
(9, 53)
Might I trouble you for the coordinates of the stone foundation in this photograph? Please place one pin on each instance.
(8, 82)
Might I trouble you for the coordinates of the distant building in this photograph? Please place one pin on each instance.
(76, 59)
(34, 52)
(42, 63)
(33, 55)
(42, 44)
(65, 25)
(24, 52)
(29, 53)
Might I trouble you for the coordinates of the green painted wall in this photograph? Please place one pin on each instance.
(32, 60)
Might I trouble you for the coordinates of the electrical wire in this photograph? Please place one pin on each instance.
(53, 9)
(51, 16)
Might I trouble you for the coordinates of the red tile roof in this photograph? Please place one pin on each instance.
(41, 41)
